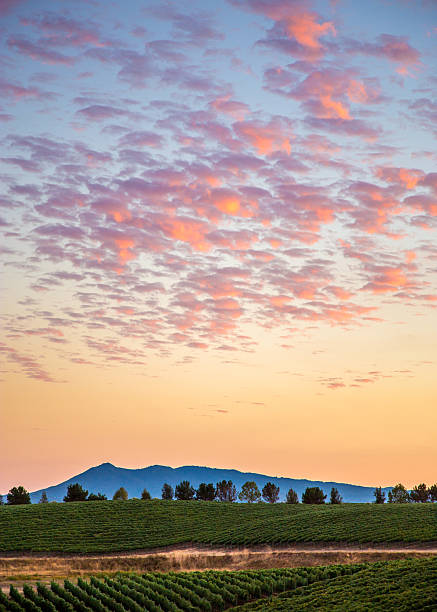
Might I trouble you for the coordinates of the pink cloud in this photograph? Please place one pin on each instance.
(323, 94)
(387, 279)
(407, 178)
(188, 230)
(10, 90)
(196, 27)
(266, 138)
(135, 68)
(61, 31)
(224, 104)
(394, 48)
(25, 164)
(114, 207)
(141, 138)
(7, 6)
(425, 112)
(426, 203)
(354, 127)
(29, 365)
(294, 23)
(100, 112)
(167, 50)
(376, 207)
(235, 240)
(39, 52)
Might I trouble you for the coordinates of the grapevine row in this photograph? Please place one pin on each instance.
(211, 591)
(106, 526)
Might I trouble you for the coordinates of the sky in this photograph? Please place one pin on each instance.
(219, 239)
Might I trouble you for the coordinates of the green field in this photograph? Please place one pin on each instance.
(101, 526)
(398, 586)
(395, 585)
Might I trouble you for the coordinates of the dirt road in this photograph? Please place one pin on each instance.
(31, 567)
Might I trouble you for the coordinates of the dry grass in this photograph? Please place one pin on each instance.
(29, 569)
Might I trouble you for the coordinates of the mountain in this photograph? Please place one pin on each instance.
(107, 478)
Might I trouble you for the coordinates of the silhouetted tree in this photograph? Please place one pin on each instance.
(206, 492)
(226, 491)
(75, 493)
(398, 495)
(18, 495)
(184, 490)
(1, 500)
(379, 495)
(433, 492)
(249, 492)
(420, 493)
(292, 497)
(336, 498)
(146, 495)
(120, 494)
(313, 495)
(96, 497)
(270, 493)
(43, 498)
(167, 491)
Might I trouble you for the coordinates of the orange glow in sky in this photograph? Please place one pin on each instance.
(219, 238)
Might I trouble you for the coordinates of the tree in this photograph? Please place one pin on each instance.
(120, 494)
(75, 493)
(249, 492)
(18, 495)
(270, 493)
(336, 498)
(145, 495)
(433, 492)
(1, 500)
(420, 493)
(226, 491)
(96, 497)
(292, 497)
(313, 495)
(206, 492)
(184, 490)
(167, 491)
(379, 495)
(43, 499)
(398, 495)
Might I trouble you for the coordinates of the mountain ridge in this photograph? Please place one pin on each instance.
(107, 478)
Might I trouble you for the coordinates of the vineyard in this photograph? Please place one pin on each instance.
(90, 527)
(396, 585)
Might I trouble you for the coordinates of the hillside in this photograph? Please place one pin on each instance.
(107, 478)
(108, 526)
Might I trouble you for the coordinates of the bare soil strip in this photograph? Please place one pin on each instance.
(21, 568)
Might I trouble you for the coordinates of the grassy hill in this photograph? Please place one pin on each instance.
(390, 586)
(107, 526)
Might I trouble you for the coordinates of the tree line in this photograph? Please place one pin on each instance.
(226, 491)
(400, 495)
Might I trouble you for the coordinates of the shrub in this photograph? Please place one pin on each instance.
(120, 493)
(75, 493)
(18, 495)
(167, 491)
(184, 490)
(292, 497)
(313, 495)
